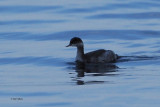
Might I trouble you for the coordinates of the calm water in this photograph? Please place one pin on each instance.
(37, 68)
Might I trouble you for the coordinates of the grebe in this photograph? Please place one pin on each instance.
(98, 56)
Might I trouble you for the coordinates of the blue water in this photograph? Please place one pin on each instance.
(37, 70)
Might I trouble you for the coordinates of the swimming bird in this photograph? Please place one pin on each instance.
(98, 56)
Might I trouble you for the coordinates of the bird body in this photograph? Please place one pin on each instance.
(98, 56)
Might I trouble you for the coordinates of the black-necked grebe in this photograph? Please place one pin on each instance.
(100, 55)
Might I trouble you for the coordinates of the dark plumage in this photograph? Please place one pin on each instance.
(94, 56)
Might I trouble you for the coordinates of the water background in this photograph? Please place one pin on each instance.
(36, 66)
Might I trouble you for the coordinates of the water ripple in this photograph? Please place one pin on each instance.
(137, 58)
(33, 94)
(55, 104)
(134, 5)
(40, 61)
(22, 9)
(91, 34)
(131, 5)
(22, 22)
(143, 15)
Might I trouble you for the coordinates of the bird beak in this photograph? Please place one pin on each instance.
(68, 45)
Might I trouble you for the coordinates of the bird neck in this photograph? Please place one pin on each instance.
(80, 54)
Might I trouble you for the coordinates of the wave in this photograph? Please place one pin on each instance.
(142, 16)
(39, 61)
(86, 34)
(23, 8)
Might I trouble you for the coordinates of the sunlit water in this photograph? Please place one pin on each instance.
(37, 68)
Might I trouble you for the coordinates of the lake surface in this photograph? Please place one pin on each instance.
(37, 70)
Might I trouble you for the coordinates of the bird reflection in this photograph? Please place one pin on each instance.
(92, 69)
(97, 68)
(81, 82)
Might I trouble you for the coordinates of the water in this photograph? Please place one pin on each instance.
(37, 70)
